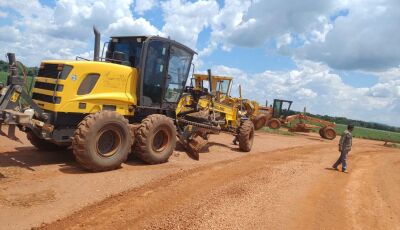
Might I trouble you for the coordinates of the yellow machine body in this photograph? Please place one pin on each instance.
(222, 103)
(111, 85)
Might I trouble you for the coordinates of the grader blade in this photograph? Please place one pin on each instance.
(194, 146)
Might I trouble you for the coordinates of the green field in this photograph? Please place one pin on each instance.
(372, 134)
(359, 132)
(3, 78)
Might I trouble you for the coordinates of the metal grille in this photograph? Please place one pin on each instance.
(49, 70)
(48, 86)
(46, 98)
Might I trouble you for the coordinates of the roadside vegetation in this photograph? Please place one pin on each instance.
(372, 134)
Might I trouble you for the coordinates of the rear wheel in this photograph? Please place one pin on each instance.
(155, 139)
(329, 133)
(43, 144)
(274, 123)
(259, 121)
(246, 136)
(102, 141)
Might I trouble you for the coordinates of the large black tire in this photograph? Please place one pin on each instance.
(274, 123)
(246, 136)
(321, 132)
(259, 121)
(43, 144)
(102, 141)
(155, 139)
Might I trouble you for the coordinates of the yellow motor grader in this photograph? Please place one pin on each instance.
(203, 111)
(123, 101)
(222, 87)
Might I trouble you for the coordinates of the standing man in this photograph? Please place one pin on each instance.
(344, 148)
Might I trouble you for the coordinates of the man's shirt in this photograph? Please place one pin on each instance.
(346, 141)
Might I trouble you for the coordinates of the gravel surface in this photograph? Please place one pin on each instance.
(283, 183)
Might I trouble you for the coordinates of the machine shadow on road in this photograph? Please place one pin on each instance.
(29, 157)
(235, 149)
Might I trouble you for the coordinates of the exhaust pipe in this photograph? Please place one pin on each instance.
(96, 44)
(12, 67)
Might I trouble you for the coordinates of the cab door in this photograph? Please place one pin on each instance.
(179, 61)
(153, 73)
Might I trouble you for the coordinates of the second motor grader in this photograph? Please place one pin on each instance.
(203, 111)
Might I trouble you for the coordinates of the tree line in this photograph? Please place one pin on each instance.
(30, 71)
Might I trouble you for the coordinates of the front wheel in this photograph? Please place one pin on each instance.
(274, 123)
(155, 139)
(102, 141)
(246, 136)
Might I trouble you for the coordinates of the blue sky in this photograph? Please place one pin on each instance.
(339, 58)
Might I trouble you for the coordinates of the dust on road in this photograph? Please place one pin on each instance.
(284, 183)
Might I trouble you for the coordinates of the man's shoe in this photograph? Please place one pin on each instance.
(335, 168)
(344, 170)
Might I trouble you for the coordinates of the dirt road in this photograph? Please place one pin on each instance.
(284, 183)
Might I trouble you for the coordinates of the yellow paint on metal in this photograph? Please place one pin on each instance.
(116, 86)
(14, 96)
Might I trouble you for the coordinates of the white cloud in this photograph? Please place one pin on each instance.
(252, 23)
(129, 26)
(40, 32)
(3, 14)
(9, 34)
(284, 40)
(184, 20)
(313, 85)
(367, 38)
(141, 6)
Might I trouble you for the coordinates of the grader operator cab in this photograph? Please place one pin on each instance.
(106, 108)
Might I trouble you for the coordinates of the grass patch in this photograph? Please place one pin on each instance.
(29, 83)
(3, 77)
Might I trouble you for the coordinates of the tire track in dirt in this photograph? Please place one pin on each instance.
(291, 188)
(355, 200)
(185, 200)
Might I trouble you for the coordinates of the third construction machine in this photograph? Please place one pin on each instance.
(278, 114)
